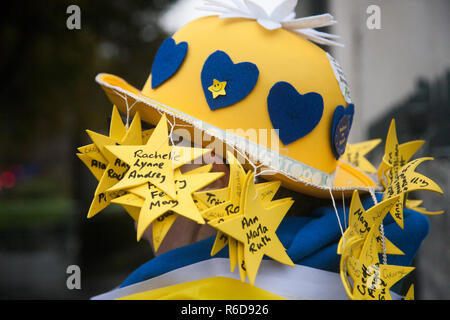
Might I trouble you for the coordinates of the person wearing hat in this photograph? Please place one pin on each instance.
(256, 83)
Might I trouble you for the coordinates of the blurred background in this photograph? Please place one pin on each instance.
(400, 70)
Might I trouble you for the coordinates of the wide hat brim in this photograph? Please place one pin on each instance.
(342, 182)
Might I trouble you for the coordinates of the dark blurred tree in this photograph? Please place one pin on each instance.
(48, 71)
(49, 97)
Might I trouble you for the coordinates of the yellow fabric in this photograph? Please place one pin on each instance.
(216, 288)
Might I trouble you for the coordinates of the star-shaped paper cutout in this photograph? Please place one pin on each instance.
(395, 155)
(160, 226)
(115, 169)
(218, 88)
(163, 221)
(97, 170)
(157, 202)
(410, 294)
(415, 205)
(225, 202)
(228, 203)
(92, 152)
(255, 227)
(117, 131)
(371, 280)
(154, 162)
(93, 158)
(222, 203)
(355, 154)
(403, 181)
(362, 221)
(96, 167)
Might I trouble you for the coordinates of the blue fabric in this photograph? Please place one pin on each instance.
(293, 114)
(310, 241)
(340, 128)
(167, 60)
(241, 78)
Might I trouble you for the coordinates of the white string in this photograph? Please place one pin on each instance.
(343, 208)
(337, 214)
(125, 98)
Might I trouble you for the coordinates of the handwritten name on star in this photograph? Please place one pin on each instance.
(141, 164)
(212, 199)
(154, 160)
(256, 234)
(160, 199)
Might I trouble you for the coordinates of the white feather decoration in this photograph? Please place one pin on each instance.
(283, 16)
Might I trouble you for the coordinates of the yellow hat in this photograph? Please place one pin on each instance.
(237, 79)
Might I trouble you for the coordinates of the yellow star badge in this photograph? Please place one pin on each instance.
(153, 162)
(355, 154)
(218, 88)
(255, 228)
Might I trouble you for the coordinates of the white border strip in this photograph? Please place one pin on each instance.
(294, 283)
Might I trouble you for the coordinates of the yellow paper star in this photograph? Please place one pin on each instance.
(97, 170)
(225, 202)
(162, 224)
(415, 205)
(396, 155)
(354, 154)
(115, 169)
(92, 152)
(95, 161)
(371, 281)
(96, 167)
(405, 180)
(228, 203)
(362, 221)
(255, 228)
(218, 88)
(117, 131)
(410, 294)
(153, 162)
(222, 203)
(157, 202)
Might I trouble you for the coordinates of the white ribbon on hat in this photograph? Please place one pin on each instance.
(283, 16)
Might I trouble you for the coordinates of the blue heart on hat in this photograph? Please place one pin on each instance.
(240, 79)
(340, 129)
(294, 114)
(167, 60)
